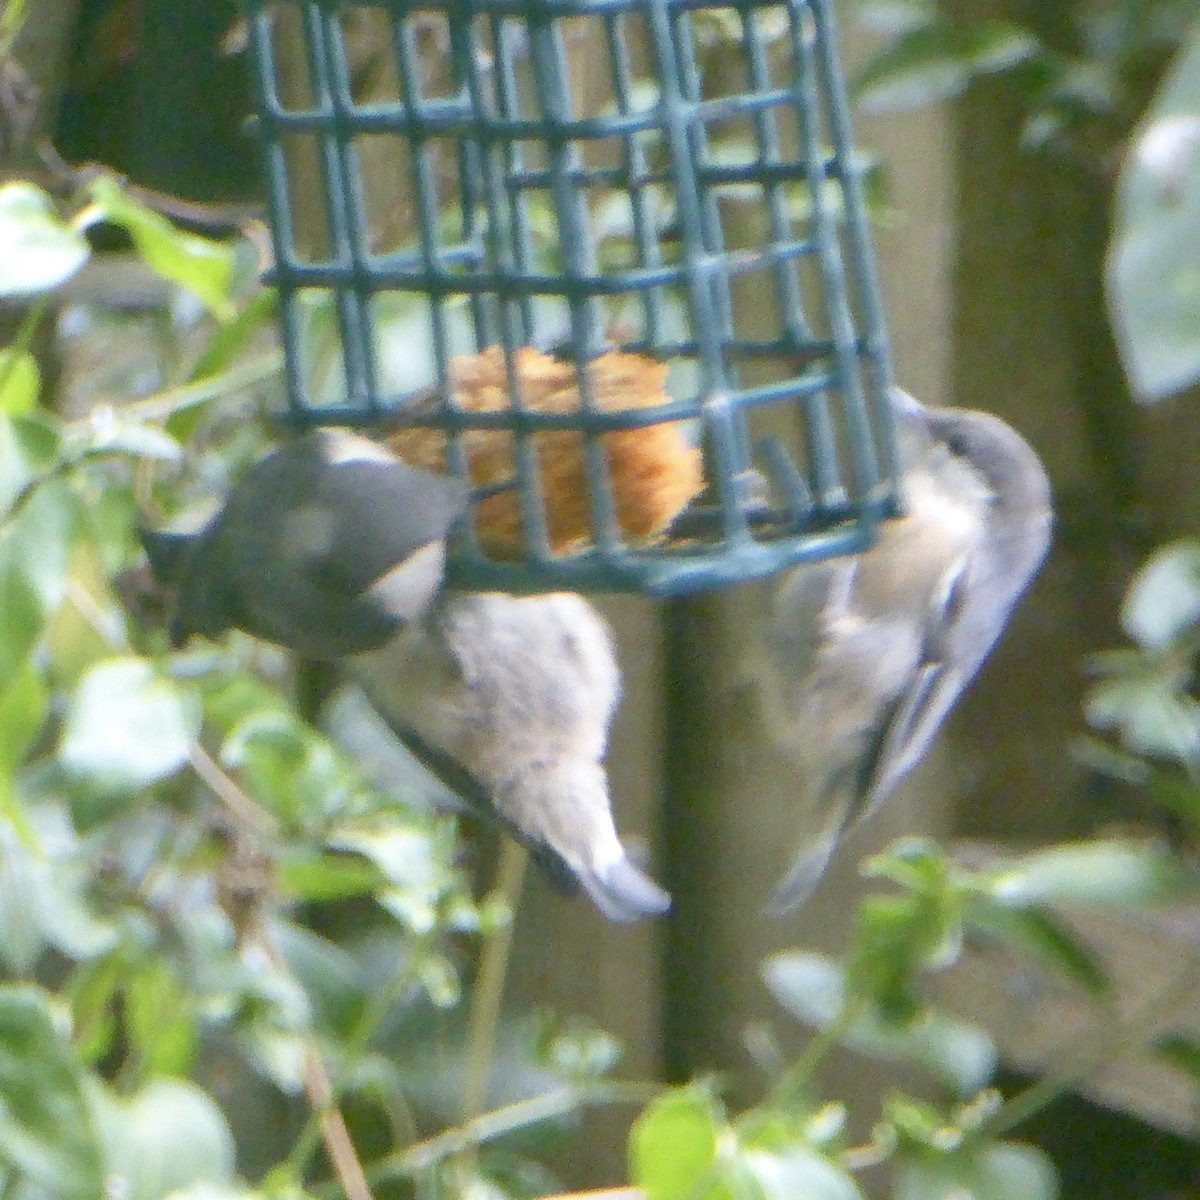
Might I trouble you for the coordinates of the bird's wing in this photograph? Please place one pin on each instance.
(791, 638)
(913, 720)
(965, 620)
(382, 513)
(810, 860)
(859, 674)
(470, 790)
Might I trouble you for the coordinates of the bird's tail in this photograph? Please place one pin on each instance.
(623, 892)
(809, 864)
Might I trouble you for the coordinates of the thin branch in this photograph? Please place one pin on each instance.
(86, 606)
(246, 810)
(157, 407)
(66, 178)
(318, 1088)
(334, 1134)
(489, 1126)
(166, 403)
(377, 1006)
(488, 994)
(795, 1081)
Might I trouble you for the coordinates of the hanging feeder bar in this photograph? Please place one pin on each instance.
(621, 278)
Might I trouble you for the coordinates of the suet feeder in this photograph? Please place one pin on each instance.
(618, 274)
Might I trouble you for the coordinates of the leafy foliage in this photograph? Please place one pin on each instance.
(871, 1000)
(1145, 695)
(221, 944)
(930, 52)
(1091, 99)
(175, 835)
(1151, 262)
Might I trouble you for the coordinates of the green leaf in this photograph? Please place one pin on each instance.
(402, 854)
(231, 697)
(205, 267)
(799, 1173)
(41, 893)
(936, 59)
(109, 433)
(227, 343)
(310, 876)
(1153, 268)
(28, 448)
(730, 1179)
(1096, 755)
(1152, 714)
(160, 1019)
(673, 1144)
(24, 702)
(38, 250)
(1037, 932)
(274, 1023)
(92, 994)
(992, 46)
(921, 66)
(43, 537)
(47, 1132)
(812, 988)
(1182, 1052)
(582, 1053)
(23, 886)
(1163, 601)
(294, 771)
(20, 381)
(127, 727)
(915, 1128)
(996, 1171)
(22, 613)
(895, 937)
(169, 1136)
(1107, 873)
(331, 979)
(107, 519)
(891, 17)
(409, 861)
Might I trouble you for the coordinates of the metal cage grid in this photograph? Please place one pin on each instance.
(675, 177)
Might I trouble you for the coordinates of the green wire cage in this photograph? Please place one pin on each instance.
(585, 192)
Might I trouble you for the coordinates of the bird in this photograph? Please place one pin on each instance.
(327, 546)
(334, 549)
(520, 690)
(862, 657)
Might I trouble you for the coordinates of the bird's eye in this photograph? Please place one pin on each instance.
(957, 444)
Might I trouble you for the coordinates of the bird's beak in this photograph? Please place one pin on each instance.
(912, 426)
(908, 410)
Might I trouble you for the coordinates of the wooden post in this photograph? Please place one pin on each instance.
(729, 818)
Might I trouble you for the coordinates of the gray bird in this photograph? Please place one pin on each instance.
(864, 657)
(521, 691)
(334, 549)
(326, 546)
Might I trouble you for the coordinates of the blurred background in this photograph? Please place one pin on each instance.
(991, 241)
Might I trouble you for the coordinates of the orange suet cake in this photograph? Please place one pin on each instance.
(653, 470)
